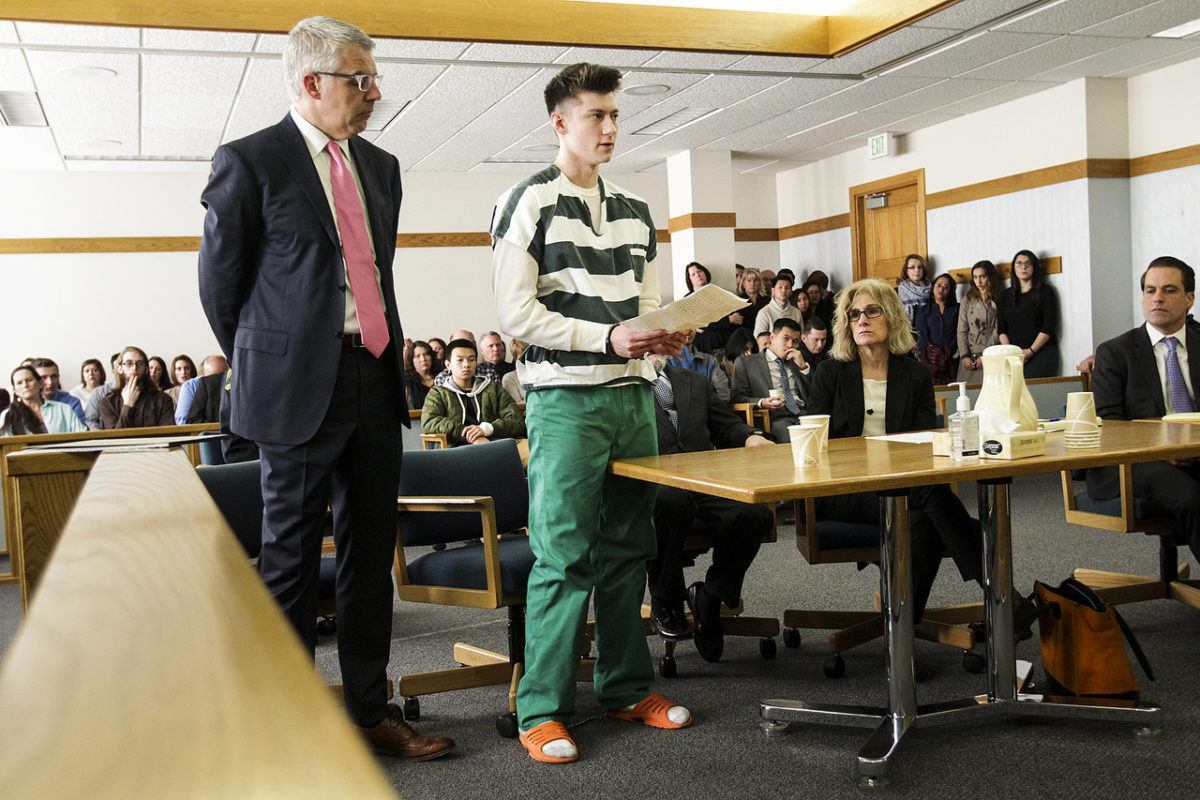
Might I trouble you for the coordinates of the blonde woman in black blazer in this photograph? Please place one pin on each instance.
(872, 340)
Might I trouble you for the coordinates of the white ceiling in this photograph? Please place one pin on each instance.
(122, 98)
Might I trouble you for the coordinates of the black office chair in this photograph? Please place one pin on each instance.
(237, 491)
(473, 502)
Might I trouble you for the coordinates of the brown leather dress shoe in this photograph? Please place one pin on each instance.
(394, 737)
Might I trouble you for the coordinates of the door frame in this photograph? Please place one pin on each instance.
(858, 212)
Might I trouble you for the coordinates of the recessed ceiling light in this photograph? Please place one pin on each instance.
(1180, 31)
(540, 148)
(87, 73)
(647, 89)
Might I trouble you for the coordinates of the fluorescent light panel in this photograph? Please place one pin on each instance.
(1179, 31)
(21, 109)
(815, 8)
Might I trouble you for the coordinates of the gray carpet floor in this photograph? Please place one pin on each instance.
(725, 755)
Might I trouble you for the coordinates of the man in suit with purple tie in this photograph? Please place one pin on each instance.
(296, 281)
(1148, 372)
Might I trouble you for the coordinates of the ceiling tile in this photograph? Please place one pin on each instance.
(678, 59)
(612, 56)
(8, 32)
(106, 103)
(530, 54)
(179, 143)
(1051, 55)
(1071, 16)
(993, 97)
(418, 48)
(1126, 56)
(163, 39)
(971, 13)
(714, 91)
(1150, 66)
(778, 63)
(181, 92)
(93, 140)
(14, 75)
(939, 94)
(1149, 19)
(86, 35)
(973, 53)
(882, 51)
(271, 42)
(28, 150)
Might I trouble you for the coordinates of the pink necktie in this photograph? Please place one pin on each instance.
(356, 249)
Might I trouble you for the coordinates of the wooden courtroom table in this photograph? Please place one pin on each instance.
(154, 664)
(766, 475)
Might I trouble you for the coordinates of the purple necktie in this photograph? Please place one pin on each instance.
(1181, 401)
(356, 250)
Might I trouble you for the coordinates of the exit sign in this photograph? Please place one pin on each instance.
(881, 145)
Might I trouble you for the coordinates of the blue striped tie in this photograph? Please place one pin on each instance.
(1181, 401)
(789, 399)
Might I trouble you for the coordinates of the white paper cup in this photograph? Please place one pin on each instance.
(1081, 414)
(806, 446)
(776, 394)
(817, 421)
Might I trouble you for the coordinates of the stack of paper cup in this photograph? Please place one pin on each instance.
(818, 421)
(1082, 429)
(806, 446)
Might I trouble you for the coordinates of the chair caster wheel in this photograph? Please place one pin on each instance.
(767, 648)
(506, 725)
(326, 626)
(412, 708)
(791, 638)
(973, 662)
(773, 729)
(834, 666)
(666, 667)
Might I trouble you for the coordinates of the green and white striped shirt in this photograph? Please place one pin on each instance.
(562, 279)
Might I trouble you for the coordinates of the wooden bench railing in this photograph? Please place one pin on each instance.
(13, 444)
(153, 663)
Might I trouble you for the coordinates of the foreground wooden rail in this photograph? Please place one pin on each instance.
(154, 664)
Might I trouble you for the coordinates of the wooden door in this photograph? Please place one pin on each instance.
(881, 237)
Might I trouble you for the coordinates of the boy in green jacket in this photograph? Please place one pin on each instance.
(471, 408)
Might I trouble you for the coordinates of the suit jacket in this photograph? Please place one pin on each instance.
(752, 380)
(837, 390)
(272, 278)
(206, 402)
(704, 421)
(1126, 385)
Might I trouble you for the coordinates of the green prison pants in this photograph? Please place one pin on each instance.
(590, 531)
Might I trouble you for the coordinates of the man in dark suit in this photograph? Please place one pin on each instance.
(206, 402)
(296, 281)
(691, 419)
(755, 375)
(1148, 372)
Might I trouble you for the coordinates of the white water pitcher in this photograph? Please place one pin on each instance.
(1004, 403)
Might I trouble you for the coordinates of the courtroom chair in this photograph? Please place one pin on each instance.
(1130, 514)
(434, 441)
(237, 491)
(836, 542)
(473, 501)
(748, 411)
(211, 453)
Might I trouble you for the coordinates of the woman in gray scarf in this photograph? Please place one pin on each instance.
(914, 287)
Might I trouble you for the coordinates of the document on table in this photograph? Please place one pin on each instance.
(920, 437)
(698, 309)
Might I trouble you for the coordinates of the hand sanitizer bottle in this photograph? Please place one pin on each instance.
(964, 427)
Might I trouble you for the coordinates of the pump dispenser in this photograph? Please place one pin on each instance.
(964, 427)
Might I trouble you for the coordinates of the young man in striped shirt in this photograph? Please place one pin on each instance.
(573, 258)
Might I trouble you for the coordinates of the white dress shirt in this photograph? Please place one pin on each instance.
(1159, 346)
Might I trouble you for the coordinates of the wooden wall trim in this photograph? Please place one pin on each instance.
(1169, 159)
(756, 234)
(1051, 265)
(814, 226)
(1034, 179)
(100, 244)
(702, 219)
(463, 239)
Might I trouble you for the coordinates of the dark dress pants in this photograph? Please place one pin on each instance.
(938, 524)
(739, 530)
(1044, 363)
(352, 463)
(1175, 489)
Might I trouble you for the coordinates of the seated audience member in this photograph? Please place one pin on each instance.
(713, 336)
(761, 340)
(30, 412)
(817, 289)
(776, 367)
(446, 376)
(768, 278)
(754, 290)
(780, 305)
(91, 378)
(691, 418)
(870, 386)
(156, 369)
(183, 405)
(1148, 372)
(183, 369)
(1027, 316)
(977, 321)
(936, 325)
(739, 272)
(800, 301)
(691, 358)
(52, 389)
(511, 382)
(91, 410)
(740, 343)
(439, 348)
(914, 287)
(5, 400)
(813, 339)
(492, 363)
(136, 401)
(471, 408)
(206, 400)
(423, 365)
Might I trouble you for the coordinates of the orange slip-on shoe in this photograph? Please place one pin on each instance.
(540, 735)
(652, 710)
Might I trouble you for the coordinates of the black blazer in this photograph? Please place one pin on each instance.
(206, 402)
(837, 390)
(272, 279)
(704, 421)
(1126, 385)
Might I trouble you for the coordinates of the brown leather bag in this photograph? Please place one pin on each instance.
(1083, 643)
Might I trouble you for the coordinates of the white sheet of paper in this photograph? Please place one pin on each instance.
(920, 437)
(698, 309)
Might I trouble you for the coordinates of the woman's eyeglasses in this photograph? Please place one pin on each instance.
(870, 312)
